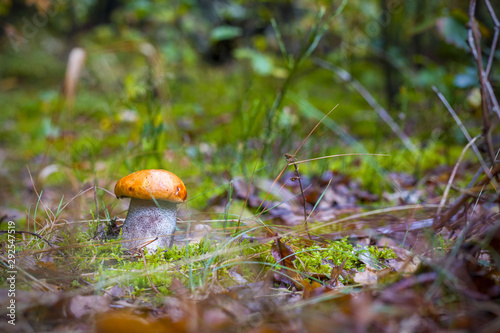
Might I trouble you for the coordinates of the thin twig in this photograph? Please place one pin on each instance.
(291, 160)
(474, 40)
(314, 129)
(338, 155)
(494, 100)
(141, 246)
(107, 191)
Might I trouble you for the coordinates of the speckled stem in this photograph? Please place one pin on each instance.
(147, 220)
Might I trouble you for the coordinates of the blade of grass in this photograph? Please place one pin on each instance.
(383, 114)
(320, 197)
(281, 45)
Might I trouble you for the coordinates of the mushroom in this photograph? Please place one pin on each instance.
(153, 207)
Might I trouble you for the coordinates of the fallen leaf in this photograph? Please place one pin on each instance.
(366, 277)
(80, 306)
(284, 256)
(116, 292)
(311, 289)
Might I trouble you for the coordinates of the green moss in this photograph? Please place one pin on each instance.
(321, 259)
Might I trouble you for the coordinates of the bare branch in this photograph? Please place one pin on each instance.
(344, 75)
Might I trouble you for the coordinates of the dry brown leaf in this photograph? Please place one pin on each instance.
(116, 292)
(284, 256)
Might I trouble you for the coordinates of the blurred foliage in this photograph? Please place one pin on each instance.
(218, 92)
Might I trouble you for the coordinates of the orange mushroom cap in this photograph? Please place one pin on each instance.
(149, 184)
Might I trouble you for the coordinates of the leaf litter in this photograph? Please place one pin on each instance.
(436, 277)
(317, 252)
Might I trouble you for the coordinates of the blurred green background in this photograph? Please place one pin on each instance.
(212, 89)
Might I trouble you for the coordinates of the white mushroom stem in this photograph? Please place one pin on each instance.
(146, 220)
